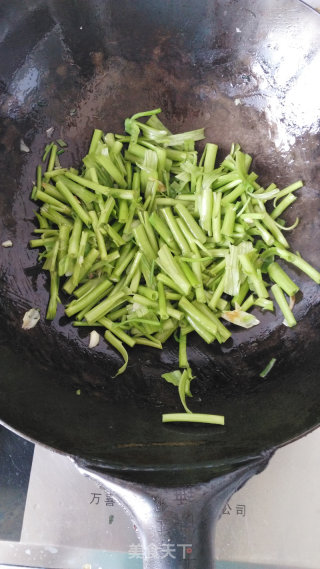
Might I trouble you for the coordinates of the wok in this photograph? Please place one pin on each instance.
(248, 72)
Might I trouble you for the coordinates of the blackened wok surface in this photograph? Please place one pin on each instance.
(247, 72)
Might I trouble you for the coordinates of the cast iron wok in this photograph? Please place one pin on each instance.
(247, 72)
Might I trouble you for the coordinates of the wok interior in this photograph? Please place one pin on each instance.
(246, 74)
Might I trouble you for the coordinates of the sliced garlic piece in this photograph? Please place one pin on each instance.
(31, 318)
(7, 243)
(94, 339)
(23, 146)
(292, 302)
(49, 131)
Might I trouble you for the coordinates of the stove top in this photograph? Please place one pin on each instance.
(53, 517)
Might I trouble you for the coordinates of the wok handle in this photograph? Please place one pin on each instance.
(176, 525)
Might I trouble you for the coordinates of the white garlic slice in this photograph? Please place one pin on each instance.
(94, 339)
(49, 131)
(23, 146)
(31, 318)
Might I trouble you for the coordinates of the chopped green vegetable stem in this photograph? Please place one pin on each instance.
(53, 153)
(183, 359)
(91, 296)
(280, 277)
(268, 368)
(252, 273)
(283, 205)
(162, 302)
(283, 305)
(175, 230)
(74, 203)
(104, 307)
(54, 296)
(190, 309)
(143, 242)
(193, 418)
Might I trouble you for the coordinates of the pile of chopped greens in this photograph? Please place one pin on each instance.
(150, 240)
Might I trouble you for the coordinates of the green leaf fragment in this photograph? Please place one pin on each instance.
(181, 380)
(173, 377)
